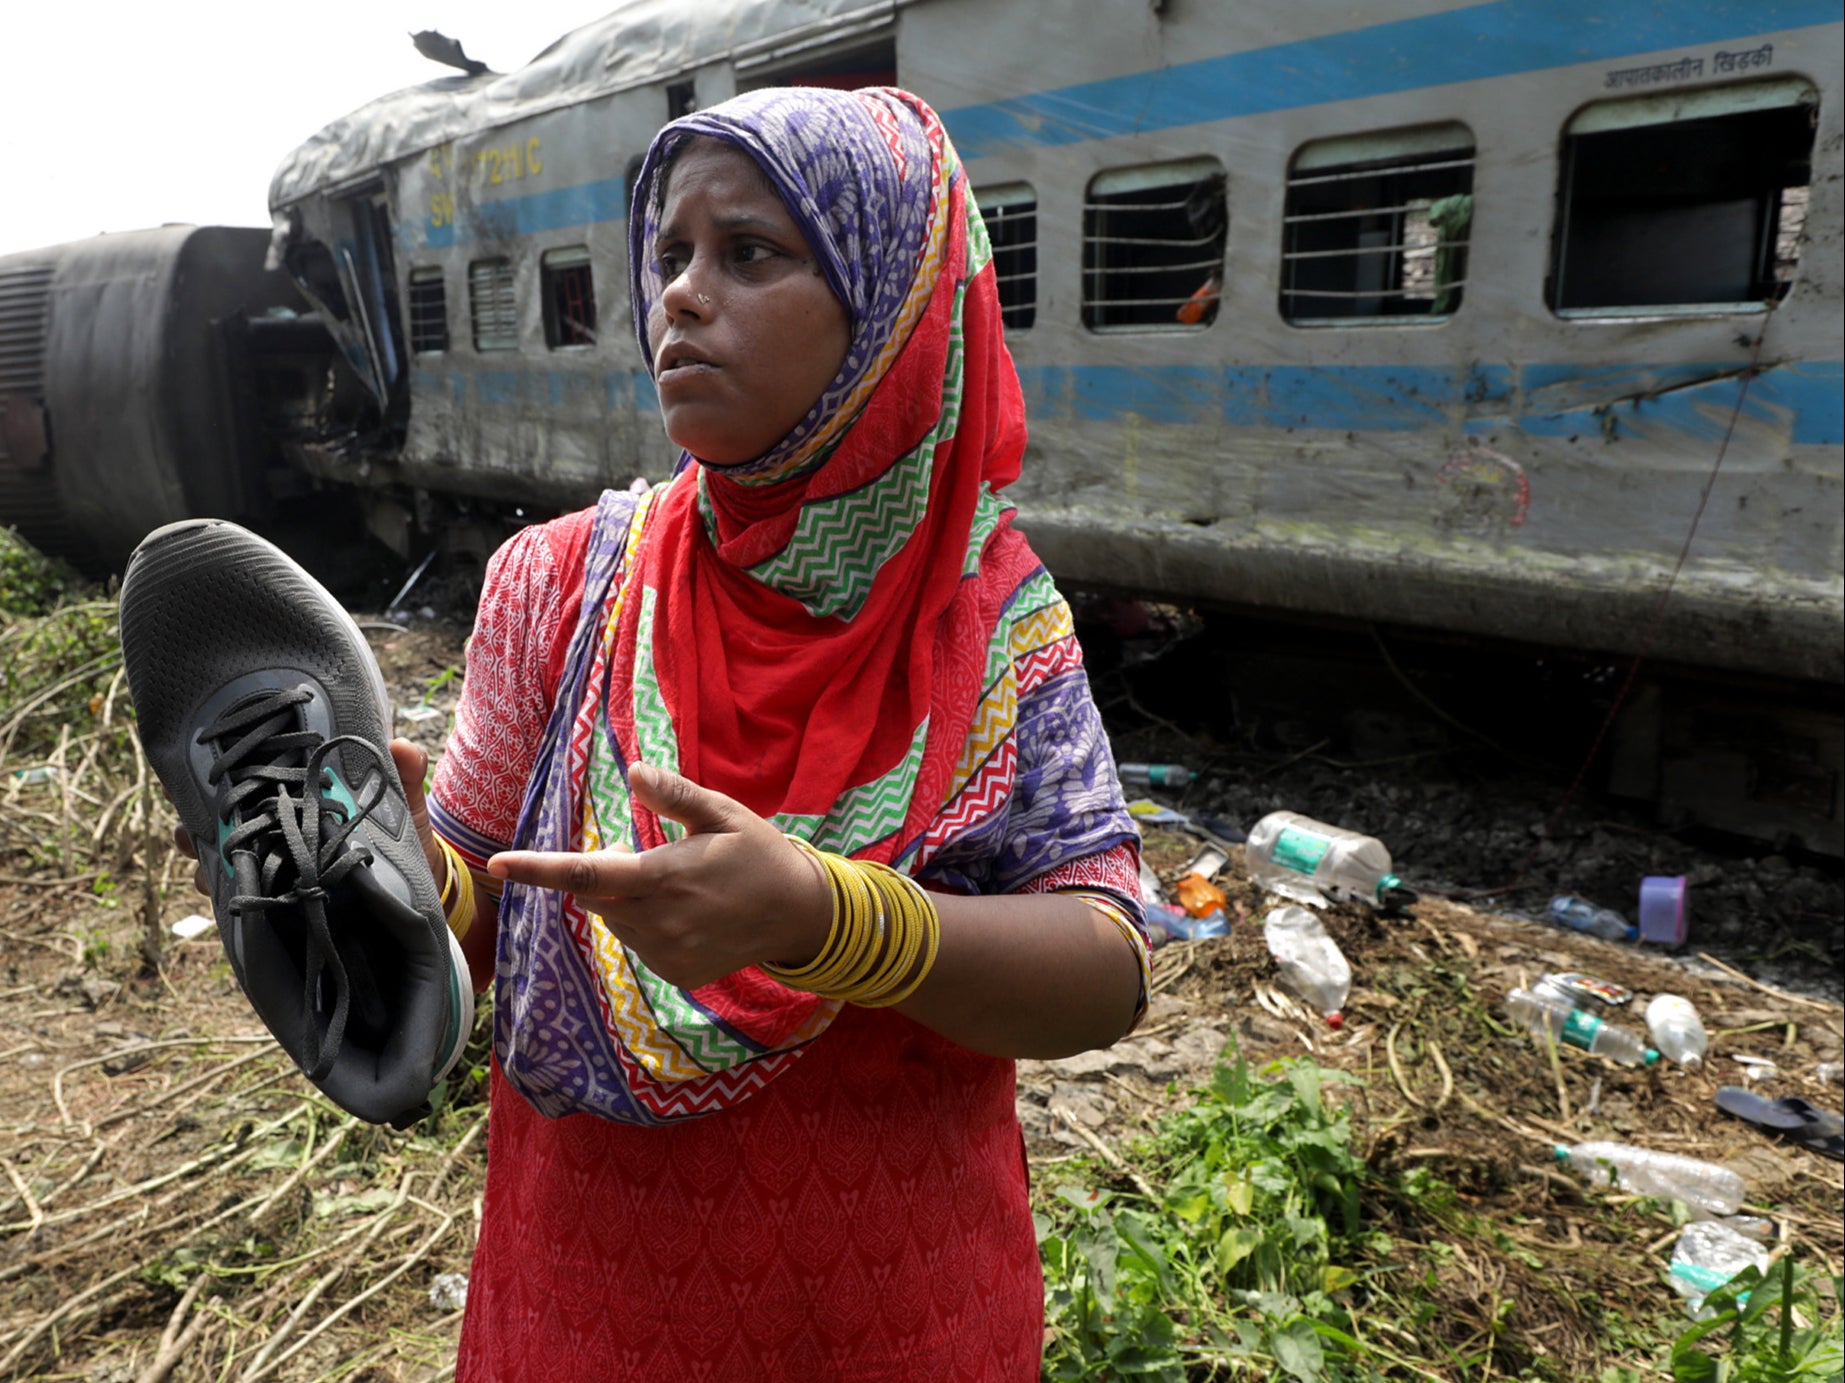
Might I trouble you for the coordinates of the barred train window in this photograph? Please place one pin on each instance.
(428, 311)
(1693, 200)
(1153, 246)
(492, 305)
(569, 297)
(1011, 216)
(1376, 227)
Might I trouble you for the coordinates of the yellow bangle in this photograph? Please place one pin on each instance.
(460, 882)
(883, 925)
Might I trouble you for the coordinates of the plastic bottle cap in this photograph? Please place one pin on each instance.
(1662, 910)
(1335, 1021)
(1561, 1152)
(1651, 1057)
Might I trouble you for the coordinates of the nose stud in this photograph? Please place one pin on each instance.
(703, 300)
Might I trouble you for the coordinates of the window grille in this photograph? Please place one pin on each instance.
(428, 311)
(1377, 227)
(1153, 246)
(1011, 216)
(492, 305)
(569, 297)
(1684, 200)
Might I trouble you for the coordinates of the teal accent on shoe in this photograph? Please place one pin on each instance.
(341, 794)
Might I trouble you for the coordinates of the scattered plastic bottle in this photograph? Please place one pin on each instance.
(1708, 1254)
(1676, 1029)
(1579, 914)
(1312, 964)
(1311, 862)
(1830, 1073)
(1552, 1013)
(1154, 775)
(1705, 1186)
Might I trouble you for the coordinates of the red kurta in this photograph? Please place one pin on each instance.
(722, 1250)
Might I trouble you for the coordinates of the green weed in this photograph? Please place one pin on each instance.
(1806, 1341)
(1239, 1269)
(31, 584)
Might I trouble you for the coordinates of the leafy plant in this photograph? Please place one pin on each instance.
(31, 584)
(1807, 1342)
(1238, 1267)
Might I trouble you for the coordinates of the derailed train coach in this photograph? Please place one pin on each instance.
(1496, 319)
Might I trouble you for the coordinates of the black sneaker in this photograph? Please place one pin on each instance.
(264, 714)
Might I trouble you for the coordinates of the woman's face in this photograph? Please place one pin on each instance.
(747, 333)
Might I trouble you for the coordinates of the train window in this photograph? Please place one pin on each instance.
(492, 306)
(569, 297)
(428, 311)
(1687, 200)
(1011, 216)
(1376, 227)
(845, 51)
(1153, 246)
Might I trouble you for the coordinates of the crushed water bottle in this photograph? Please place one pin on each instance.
(1704, 1186)
(1311, 862)
(1154, 775)
(1676, 1029)
(1311, 962)
(1580, 915)
(1708, 1254)
(1552, 1013)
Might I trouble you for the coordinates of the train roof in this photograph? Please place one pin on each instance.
(638, 42)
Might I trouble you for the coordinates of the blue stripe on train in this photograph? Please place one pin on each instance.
(581, 205)
(1462, 45)
(1549, 400)
(1805, 399)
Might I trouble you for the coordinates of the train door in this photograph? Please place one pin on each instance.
(368, 266)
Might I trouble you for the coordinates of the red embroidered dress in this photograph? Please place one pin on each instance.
(744, 1182)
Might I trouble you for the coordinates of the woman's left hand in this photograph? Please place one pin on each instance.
(733, 893)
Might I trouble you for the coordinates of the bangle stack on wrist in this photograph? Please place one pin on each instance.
(883, 939)
(457, 897)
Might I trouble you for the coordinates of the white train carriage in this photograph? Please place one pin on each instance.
(1439, 317)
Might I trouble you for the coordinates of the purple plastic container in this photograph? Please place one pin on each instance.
(1662, 910)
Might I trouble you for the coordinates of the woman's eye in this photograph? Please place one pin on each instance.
(753, 254)
(671, 265)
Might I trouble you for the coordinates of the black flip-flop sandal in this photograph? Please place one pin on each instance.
(1790, 1117)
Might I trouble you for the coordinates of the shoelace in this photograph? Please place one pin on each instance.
(287, 819)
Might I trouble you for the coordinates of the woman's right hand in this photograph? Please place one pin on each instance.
(182, 842)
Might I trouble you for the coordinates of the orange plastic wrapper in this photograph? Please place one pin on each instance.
(1198, 895)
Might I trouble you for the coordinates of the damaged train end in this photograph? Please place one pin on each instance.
(149, 376)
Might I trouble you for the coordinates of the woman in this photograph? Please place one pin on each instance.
(725, 1143)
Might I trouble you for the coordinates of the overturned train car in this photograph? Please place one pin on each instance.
(1497, 319)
